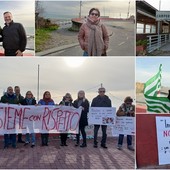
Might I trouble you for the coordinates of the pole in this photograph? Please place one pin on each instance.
(38, 85)
(80, 9)
(159, 26)
(128, 10)
(101, 85)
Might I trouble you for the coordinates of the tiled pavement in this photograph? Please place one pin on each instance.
(55, 156)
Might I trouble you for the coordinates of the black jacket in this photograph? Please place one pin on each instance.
(101, 101)
(24, 102)
(83, 119)
(14, 37)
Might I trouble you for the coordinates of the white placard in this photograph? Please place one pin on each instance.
(102, 115)
(162, 15)
(163, 139)
(124, 125)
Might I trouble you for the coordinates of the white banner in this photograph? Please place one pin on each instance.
(38, 119)
(163, 138)
(102, 115)
(124, 125)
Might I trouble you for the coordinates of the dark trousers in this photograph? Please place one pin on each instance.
(104, 135)
(82, 130)
(63, 137)
(10, 52)
(44, 138)
(129, 140)
(9, 139)
(19, 137)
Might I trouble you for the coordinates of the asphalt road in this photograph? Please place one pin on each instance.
(121, 41)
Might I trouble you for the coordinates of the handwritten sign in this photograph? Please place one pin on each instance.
(163, 138)
(124, 125)
(38, 119)
(102, 115)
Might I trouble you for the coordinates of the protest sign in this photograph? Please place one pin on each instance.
(163, 138)
(38, 119)
(102, 115)
(124, 125)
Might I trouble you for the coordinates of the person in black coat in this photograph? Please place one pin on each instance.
(101, 101)
(67, 101)
(84, 103)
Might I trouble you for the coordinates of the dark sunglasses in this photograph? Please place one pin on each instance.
(101, 91)
(94, 14)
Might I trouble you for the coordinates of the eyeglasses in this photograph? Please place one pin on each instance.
(94, 14)
(68, 97)
(101, 91)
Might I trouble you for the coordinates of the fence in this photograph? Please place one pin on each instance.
(156, 41)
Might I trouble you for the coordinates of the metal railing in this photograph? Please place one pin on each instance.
(154, 42)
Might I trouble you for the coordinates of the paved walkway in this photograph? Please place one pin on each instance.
(67, 157)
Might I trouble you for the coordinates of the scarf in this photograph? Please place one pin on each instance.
(47, 100)
(95, 38)
(29, 101)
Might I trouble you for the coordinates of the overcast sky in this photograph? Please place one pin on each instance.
(23, 12)
(165, 4)
(148, 67)
(57, 9)
(59, 76)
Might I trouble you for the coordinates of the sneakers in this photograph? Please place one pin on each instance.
(95, 145)
(130, 147)
(119, 147)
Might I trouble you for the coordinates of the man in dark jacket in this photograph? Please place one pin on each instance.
(101, 101)
(13, 37)
(10, 98)
(20, 99)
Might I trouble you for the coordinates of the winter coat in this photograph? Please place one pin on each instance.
(9, 99)
(126, 111)
(101, 101)
(42, 102)
(24, 102)
(83, 119)
(14, 37)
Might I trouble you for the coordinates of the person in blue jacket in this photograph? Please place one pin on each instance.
(45, 101)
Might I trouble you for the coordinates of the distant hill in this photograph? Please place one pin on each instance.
(139, 87)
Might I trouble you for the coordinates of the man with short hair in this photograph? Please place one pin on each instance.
(101, 101)
(13, 36)
(20, 99)
(10, 98)
(126, 109)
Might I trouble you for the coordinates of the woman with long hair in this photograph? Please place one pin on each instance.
(81, 101)
(66, 101)
(46, 101)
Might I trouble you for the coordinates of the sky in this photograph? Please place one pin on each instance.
(165, 4)
(112, 8)
(148, 67)
(61, 75)
(22, 11)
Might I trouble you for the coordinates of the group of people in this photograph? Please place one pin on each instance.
(101, 100)
(13, 36)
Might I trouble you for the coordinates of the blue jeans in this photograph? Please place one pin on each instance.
(32, 138)
(9, 139)
(85, 54)
(129, 140)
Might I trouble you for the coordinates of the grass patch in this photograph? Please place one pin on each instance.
(42, 36)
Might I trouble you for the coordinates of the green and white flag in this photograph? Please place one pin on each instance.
(152, 87)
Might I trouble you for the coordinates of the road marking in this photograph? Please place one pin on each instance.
(122, 43)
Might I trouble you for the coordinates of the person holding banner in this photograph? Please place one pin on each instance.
(20, 98)
(29, 100)
(81, 101)
(67, 101)
(10, 98)
(101, 101)
(126, 109)
(45, 101)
